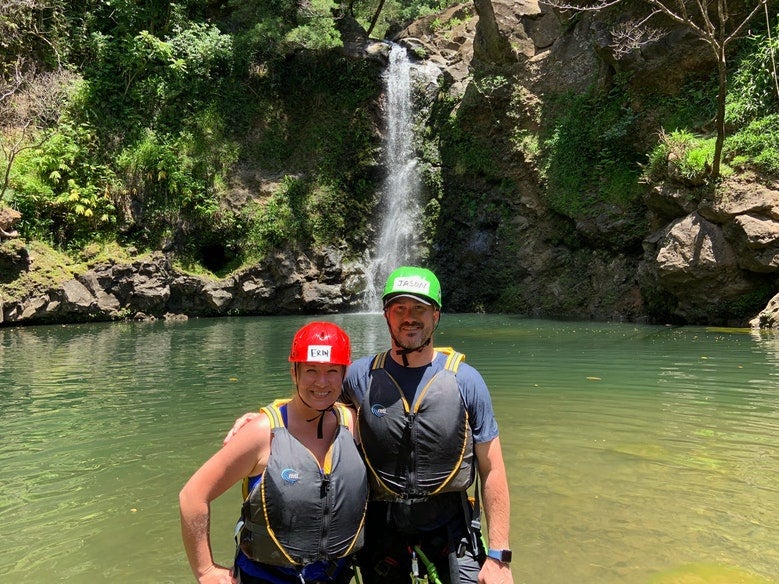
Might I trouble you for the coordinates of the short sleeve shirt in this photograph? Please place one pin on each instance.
(473, 389)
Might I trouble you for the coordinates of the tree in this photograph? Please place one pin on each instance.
(30, 107)
(713, 22)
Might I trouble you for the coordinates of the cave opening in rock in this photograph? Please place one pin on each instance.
(214, 257)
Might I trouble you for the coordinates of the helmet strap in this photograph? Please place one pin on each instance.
(403, 353)
(320, 416)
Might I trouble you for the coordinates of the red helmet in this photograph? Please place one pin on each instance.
(321, 342)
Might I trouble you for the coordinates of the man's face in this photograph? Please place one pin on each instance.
(411, 322)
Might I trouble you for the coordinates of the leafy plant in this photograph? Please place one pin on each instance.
(589, 156)
(754, 91)
(62, 193)
(756, 145)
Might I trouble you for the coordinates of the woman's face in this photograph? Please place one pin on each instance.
(319, 384)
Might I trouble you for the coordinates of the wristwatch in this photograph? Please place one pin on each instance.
(500, 555)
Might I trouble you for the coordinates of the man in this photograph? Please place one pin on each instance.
(427, 428)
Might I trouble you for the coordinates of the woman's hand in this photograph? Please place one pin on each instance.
(217, 574)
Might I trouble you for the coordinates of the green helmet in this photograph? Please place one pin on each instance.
(413, 282)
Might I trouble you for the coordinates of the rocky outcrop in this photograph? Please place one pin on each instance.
(768, 318)
(718, 258)
(685, 254)
(152, 288)
(8, 218)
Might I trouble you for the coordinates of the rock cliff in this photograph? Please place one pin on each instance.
(686, 253)
(683, 253)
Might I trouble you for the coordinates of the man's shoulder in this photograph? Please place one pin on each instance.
(359, 367)
(445, 355)
(362, 363)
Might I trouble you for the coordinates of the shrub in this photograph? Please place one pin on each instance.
(755, 146)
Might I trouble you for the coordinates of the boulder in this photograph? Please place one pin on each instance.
(8, 218)
(768, 318)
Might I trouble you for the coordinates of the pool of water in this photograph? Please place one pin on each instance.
(636, 454)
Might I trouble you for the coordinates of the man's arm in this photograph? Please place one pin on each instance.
(495, 495)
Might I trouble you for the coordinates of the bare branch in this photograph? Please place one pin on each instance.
(740, 27)
(631, 35)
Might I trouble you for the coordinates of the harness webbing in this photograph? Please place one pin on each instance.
(453, 359)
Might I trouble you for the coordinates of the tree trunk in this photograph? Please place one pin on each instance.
(375, 17)
(720, 120)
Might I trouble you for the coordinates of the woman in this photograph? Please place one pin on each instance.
(305, 485)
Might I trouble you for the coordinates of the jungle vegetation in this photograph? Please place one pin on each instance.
(122, 122)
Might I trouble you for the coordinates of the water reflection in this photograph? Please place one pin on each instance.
(634, 453)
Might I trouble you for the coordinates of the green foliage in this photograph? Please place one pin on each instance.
(327, 209)
(683, 154)
(589, 154)
(753, 99)
(755, 146)
(316, 28)
(753, 90)
(62, 193)
(692, 107)
(156, 170)
(396, 12)
(278, 220)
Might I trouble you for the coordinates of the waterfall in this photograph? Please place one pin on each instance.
(399, 205)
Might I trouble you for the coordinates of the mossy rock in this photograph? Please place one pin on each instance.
(707, 574)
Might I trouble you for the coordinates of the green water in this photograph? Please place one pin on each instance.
(635, 454)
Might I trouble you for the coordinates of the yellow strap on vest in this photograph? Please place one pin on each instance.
(273, 411)
(379, 360)
(453, 359)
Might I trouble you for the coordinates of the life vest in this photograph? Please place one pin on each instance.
(299, 513)
(417, 450)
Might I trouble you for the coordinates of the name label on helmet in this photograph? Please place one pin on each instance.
(411, 284)
(319, 353)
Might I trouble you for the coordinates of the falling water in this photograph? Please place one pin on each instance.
(398, 236)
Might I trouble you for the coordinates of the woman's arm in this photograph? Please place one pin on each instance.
(245, 455)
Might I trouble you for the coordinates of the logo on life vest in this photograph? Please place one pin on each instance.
(319, 353)
(290, 475)
(379, 410)
(411, 284)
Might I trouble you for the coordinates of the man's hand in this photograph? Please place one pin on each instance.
(239, 423)
(495, 572)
